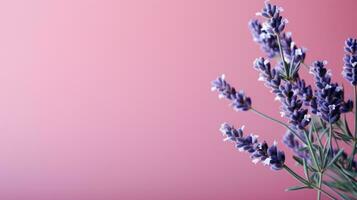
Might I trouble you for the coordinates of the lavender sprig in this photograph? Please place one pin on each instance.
(240, 101)
(305, 135)
(350, 61)
(329, 96)
(260, 152)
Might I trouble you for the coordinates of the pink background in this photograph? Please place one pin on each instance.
(111, 99)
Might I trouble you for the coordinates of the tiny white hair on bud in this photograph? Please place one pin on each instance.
(275, 143)
(354, 64)
(339, 88)
(254, 137)
(226, 139)
(282, 114)
(242, 127)
(258, 14)
(325, 62)
(267, 161)
(213, 88)
(255, 160)
(289, 34)
(299, 51)
(223, 76)
(266, 61)
(241, 149)
(328, 86)
(332, 107)
(277, 98)
(307, 117)
(261, 78)
(220, 96)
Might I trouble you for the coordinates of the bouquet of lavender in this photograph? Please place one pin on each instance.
(316, 124)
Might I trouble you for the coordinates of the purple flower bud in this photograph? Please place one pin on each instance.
(270, 77)
(240, 102)
(350, 61)
(277, 158)
(267, 41)
(351, 46)
(329, 103)
(295, 145)
(260, 152)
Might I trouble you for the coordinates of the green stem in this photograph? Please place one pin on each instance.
(331, 136)
(354, 148)
(277, 121)
(319, 186)
(296, 176)
(305, 182)
(282, 54)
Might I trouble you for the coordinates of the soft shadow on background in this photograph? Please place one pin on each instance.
(111, 99)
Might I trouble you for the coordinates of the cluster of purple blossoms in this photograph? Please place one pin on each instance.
(288, 93)
(329, 100)
(350, 61)
(292, 107)
(240, 101)
(260, 152)
(270, 34)
(296, 96)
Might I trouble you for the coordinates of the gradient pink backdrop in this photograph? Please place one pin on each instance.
(111, 99)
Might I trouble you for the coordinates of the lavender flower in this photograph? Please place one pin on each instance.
(268, 42)
(290, 141)
(351, 46)
(240, 101)
(350, 61)
(270, 11)
(270, 34)
(292, 107)
(277, 158)
(297, 99)
(304, 91)
(270, 76)
(329, 96)
(260, 152)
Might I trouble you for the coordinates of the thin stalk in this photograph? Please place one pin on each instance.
(331, 136)
(282, 53)
(309, 145)
(277, 121)
(354, 148)
(319, 186)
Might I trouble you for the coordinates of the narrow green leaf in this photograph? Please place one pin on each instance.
(294, 188)
(334, 159)
(306, 172)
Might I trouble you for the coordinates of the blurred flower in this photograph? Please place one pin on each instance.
(290, 141)
(350, 61)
